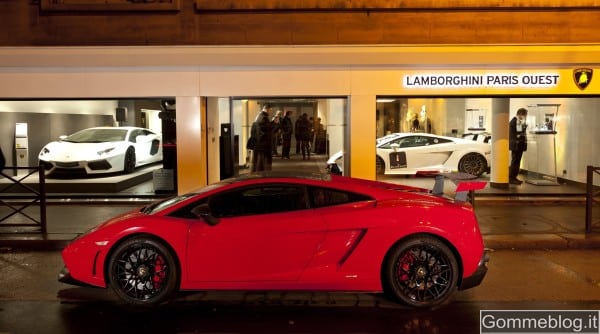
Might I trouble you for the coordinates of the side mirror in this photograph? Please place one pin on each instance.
(203, 211)
(63, 137)
(395, 147)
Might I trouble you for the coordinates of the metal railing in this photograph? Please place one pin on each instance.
(590, 197)
(22, 197)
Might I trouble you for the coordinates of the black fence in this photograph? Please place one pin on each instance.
(591, 197)
(18, 196)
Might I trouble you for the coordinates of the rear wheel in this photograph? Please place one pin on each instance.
(142, 271)
(473, 163)
(421, 272)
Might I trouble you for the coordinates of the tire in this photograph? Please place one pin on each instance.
(421, 272)
(142, 272)
(473, 163)
(379, 166)
(129, 161)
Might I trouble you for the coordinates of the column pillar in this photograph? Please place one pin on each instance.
(362, 133)
(500, 153)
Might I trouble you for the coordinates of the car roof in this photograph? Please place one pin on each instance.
(397, 135)
(279, 175)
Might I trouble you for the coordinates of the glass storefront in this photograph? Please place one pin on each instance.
(327, 118)
(141, 162)
(562, 132)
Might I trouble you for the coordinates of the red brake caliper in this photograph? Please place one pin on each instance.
(404, 268)
(159, 273)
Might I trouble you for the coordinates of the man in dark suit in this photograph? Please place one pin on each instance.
(517, 137)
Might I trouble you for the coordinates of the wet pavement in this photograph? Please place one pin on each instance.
(256, 318)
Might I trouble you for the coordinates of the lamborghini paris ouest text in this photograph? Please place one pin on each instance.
(273, 231)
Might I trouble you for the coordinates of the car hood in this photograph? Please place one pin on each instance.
(67, 151)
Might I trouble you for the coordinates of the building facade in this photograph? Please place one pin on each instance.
(467, 63)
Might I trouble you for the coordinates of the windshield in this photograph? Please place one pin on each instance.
(97, 135)
(166, 203)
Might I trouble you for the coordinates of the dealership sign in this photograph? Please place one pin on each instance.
(487, 80)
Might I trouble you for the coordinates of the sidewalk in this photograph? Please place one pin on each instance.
(523, 220)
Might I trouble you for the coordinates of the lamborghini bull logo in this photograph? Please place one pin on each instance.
(582, 77)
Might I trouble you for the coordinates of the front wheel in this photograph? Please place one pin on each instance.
(129, 162)
(421, 272)
(473, 163)
(142, 272)
(379, 166)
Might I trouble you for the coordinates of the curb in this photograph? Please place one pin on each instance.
(542, 241)
(36, 242)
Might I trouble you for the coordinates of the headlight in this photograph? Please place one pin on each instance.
(45, 150)
(105, 151)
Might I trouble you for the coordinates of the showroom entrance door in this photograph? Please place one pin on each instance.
(326, 122)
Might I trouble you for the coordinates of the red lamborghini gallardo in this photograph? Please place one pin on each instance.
(278, 232)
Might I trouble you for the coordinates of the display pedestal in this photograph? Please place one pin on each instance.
(544, 121)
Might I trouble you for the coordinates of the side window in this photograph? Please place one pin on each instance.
(274, 198)
(401, 142)
(134, 135)
(411, 141)
(435, 140)
(250, 201)
(258, 200)
(323, 197)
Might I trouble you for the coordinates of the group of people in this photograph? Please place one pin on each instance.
(267, 132)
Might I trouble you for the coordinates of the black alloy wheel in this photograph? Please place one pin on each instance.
(142, 272)
(473, 163)
(129, 163)
(421, 272)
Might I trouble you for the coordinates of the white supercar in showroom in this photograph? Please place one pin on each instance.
(102, 150)
(423, 153)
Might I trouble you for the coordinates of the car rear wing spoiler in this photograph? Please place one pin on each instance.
(463, 187)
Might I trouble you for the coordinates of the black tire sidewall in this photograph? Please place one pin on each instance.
(391, 288)
(129, 163)
(473, 156)
(379, 171)
(170, 285)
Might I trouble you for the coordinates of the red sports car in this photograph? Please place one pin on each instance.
(276, 232)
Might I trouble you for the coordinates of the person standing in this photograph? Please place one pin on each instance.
(297, 134)
(262, 131)
(304, 133)
(517, 137)
(276, 130)
(286, 134)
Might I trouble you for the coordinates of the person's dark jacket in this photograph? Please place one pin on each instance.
(517, 141)
(286, 127)
(262, 130)
(303, 129)
(2, 160)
